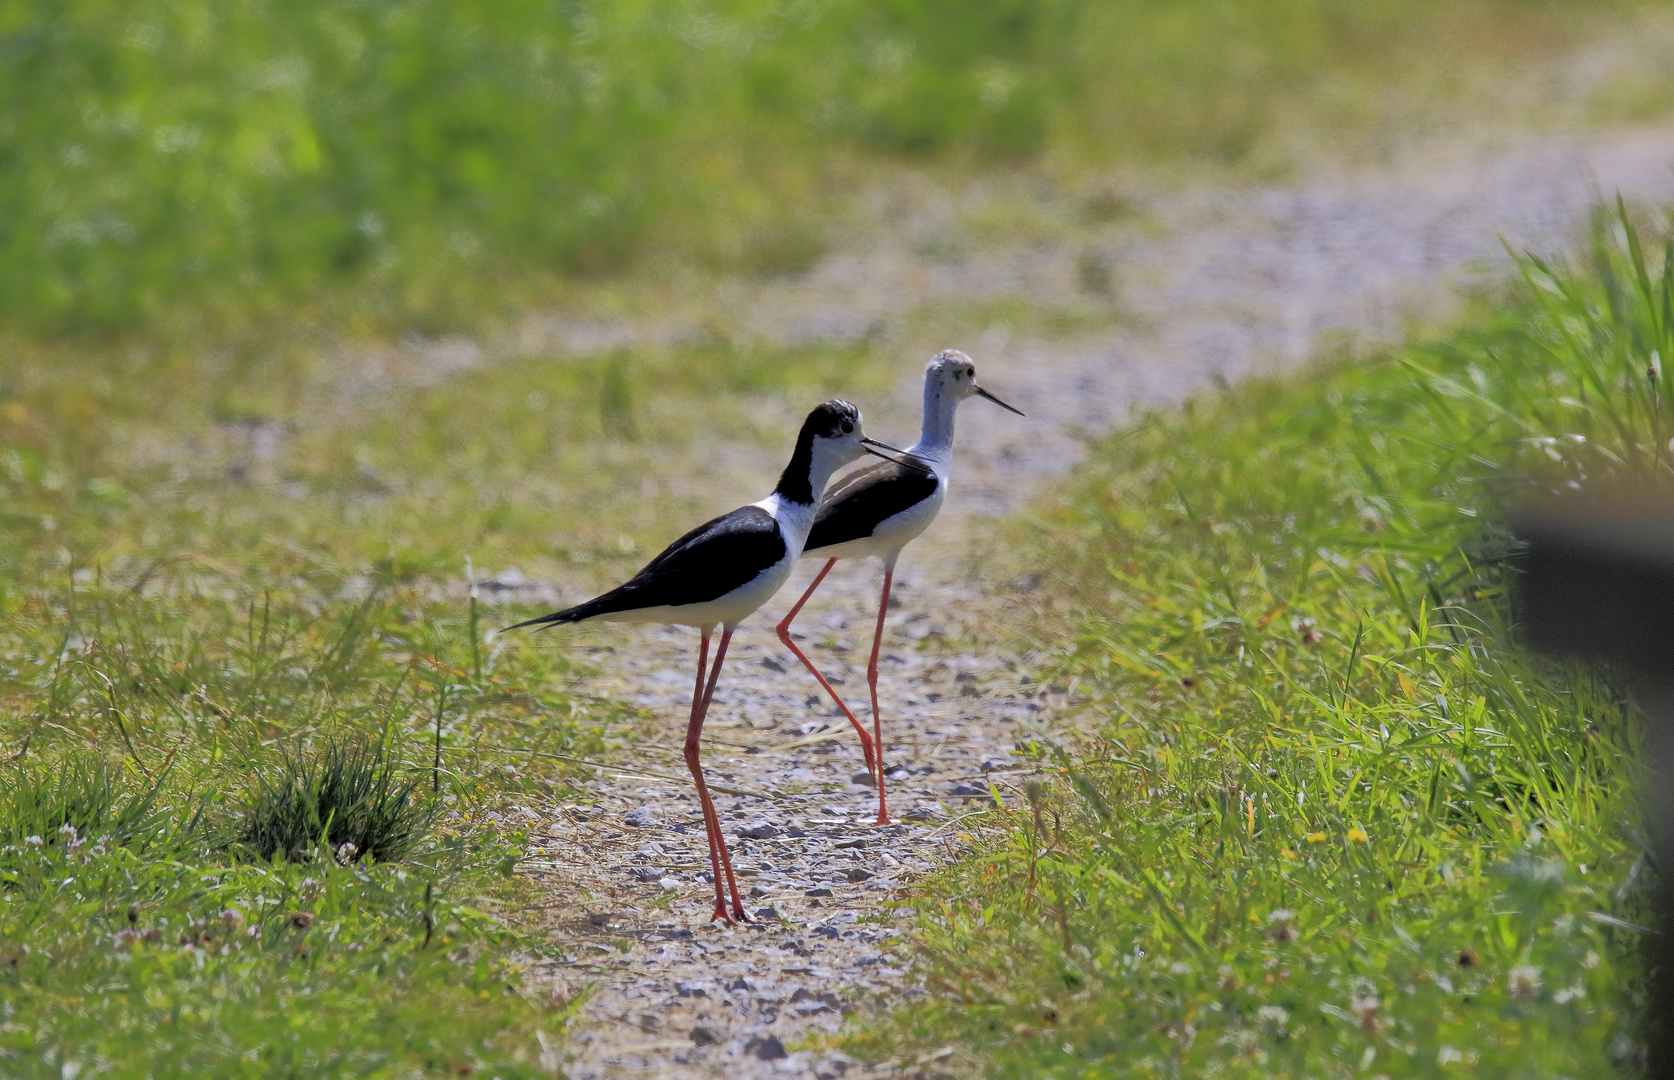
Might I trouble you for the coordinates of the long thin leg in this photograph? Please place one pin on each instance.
(700, 707)
(717, 842)
(872, 681)
(785, 636)
(726, 859)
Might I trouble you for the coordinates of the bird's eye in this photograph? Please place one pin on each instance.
(848, 427)
(970, 373)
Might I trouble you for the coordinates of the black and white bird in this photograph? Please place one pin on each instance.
(880, 509)
(723, 570)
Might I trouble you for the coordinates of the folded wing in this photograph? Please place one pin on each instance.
(706, 564)
(853, 507)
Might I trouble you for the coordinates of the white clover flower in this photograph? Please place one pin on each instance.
(1279, 925)
(1523, 982)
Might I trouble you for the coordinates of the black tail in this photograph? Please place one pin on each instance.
(568, 615)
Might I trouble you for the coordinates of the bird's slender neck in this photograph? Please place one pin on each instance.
(810, 469)
(936, 438)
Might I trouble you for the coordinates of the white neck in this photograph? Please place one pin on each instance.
(827, 458)
(796, 520)
(936, 440)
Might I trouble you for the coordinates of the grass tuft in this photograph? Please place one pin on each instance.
(77, 799)
(348, 794)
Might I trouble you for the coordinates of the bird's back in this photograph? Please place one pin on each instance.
(886, 502)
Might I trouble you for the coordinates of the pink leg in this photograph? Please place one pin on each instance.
(872, 681)
(718, 858)
(784, 636)
(693, 727)
(726, 859)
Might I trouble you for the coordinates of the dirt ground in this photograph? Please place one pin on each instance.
(1200, 285)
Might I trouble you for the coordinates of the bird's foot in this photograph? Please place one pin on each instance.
(721, 913)
(742, 916)
(883, 818)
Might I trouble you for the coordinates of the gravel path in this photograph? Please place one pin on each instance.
(687, 998)
(1205, 285)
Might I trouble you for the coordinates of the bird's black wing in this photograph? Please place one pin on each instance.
(707, 563)
(855, 505)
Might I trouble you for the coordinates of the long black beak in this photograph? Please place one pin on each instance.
(873, 446)
(980, 392)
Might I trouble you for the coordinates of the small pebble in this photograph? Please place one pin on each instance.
(766, 1047)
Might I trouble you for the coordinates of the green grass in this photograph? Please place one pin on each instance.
(188, 652)
(214, 167)
(160, 729)
(279, 463)
(1328, 820)
(147, 958)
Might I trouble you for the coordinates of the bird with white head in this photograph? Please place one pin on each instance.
(880, 509)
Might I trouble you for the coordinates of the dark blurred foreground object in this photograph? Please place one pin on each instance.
(1599, 585)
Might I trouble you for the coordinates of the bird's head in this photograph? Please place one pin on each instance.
(833, 431)
(954, 374)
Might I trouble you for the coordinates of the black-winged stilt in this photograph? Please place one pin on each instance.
(723, 570)
(881, 508)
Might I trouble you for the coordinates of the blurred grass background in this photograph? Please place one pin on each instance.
(194, 166)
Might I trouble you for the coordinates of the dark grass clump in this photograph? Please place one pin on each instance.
(349, 793)
(74, 798)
